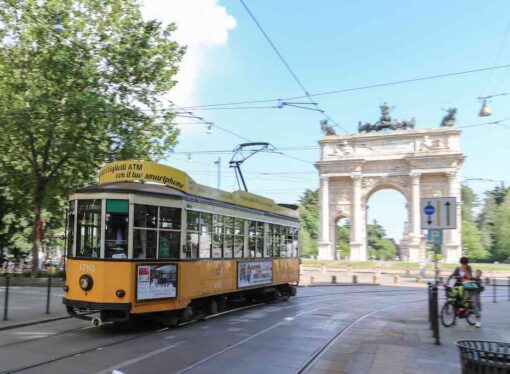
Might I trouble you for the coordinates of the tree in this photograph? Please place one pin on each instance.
(343, 239)
(501, 250)
(379, 247)
(471, 237)
(472, 243)
(74, 98)
(309, 215)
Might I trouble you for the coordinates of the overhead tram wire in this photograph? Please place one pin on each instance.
(291, 71)
(191, 115)
(359, 88)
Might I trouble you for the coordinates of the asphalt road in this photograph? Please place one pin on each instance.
(275, 338)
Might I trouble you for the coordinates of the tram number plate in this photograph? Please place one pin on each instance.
(87, 267)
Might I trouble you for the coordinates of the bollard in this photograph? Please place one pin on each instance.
(435, 316)
(418, 279)
(396, 279)
(48, 294)
(354, 278)
(323, 269)
(408, 272)
(312, 279)
(375, 279)
(6, 300)
(429, 292)
(333, 279)
(494, 290)
(441, 280)
(487, 281)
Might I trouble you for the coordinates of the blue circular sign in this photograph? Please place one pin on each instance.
(429, 210)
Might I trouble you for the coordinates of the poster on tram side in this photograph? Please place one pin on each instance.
(254, 273)
(156, 281)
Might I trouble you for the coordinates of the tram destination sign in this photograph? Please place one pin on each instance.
(438, 213)
(254, 273)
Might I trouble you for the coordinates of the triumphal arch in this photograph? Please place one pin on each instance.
(388, 155)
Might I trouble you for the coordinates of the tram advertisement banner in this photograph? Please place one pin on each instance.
(254, 273)
(156, 281)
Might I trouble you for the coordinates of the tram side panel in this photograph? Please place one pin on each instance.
(285, 270)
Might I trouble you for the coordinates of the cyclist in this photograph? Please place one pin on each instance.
(462, 273)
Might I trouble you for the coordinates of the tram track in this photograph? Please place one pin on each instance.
(324, 298)
(308, 311)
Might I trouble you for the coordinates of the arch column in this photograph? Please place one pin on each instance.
(416, 251)
(452, 247)
(325, 246)
(357, 244)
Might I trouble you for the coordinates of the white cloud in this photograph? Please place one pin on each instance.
(201, 25)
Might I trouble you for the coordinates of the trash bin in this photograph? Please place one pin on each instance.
(483, 357)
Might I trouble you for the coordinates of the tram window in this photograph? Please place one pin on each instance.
(260, 246)
(193, 220)
(191, 248)
(217, 246)
(251, 245)
(146, 216)
(70, 229)
(239, 226)
(169, 244)
(295, 243)
(169, 218)
(229, 244)
(238, 246)
(205, 245)
(276, 241)
(144, 243)
(269, 249)
(88, 228)
(229, 225)
(116, 235)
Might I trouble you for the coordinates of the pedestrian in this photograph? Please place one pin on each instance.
(474, 295)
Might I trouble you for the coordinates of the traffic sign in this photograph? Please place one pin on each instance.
(438, 213)
(435, 236)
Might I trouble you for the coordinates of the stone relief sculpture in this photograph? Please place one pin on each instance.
(429, 144)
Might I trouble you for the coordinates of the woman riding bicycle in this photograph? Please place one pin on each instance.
(463, 275)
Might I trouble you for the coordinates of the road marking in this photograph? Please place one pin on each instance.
(113, 369)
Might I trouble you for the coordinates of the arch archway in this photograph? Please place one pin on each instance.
(417, 163)
(387, 217)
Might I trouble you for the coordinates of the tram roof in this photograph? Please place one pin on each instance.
(133, 175)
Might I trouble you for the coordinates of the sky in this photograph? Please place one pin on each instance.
(335, 45)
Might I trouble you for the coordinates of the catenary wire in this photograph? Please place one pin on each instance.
(287, 66)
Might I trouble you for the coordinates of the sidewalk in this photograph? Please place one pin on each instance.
(399, 340)
(28, 304)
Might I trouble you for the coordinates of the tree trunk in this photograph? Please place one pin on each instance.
(38, 199)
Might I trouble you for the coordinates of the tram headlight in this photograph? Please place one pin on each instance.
(86, 282)
(66, 288)
(120, 293)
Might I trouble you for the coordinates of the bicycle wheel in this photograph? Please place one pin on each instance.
(470, 318)
(448, 312)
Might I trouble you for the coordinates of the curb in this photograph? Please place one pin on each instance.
(30, 323)
(339, 284)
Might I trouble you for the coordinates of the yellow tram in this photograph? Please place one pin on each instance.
(148, 239)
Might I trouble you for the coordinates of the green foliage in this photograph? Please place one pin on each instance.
(75, 99)
(379, 247)
(472, 243)
(309, 216)
(343, 238)
(501, 250)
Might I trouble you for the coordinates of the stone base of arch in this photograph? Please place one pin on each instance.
(358, 251)
(326, 251)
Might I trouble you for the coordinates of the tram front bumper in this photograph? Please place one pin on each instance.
(109, 311)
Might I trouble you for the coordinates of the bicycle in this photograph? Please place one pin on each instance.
(453, 309)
